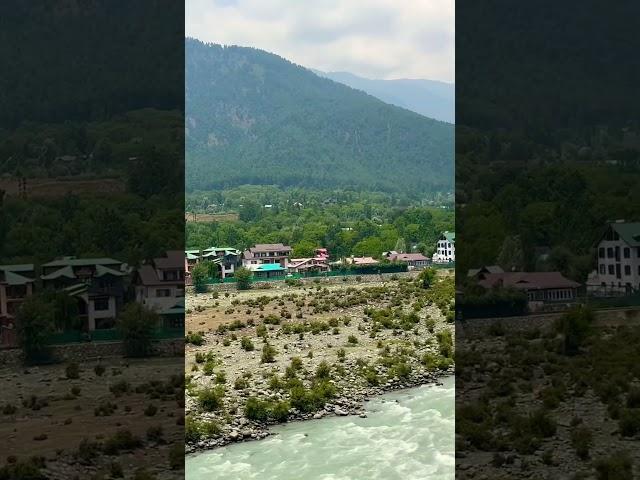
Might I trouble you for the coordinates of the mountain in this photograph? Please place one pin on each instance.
(430, 98)
(255, 118)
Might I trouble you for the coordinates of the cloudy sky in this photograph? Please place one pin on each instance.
(372, 38)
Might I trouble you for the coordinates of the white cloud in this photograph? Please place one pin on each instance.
(372, 38)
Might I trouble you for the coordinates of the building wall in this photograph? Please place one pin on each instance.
(614, 269)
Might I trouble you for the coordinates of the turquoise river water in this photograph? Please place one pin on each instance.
(407, 435)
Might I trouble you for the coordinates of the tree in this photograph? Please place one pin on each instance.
(200, 275)
(511, 256)
(427, 277)
(304, 248)
(136, 324)
(243, 278)
(35, 324)
(401, 246)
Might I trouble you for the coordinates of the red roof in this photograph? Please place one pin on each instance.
(528, 280)
(408, 257)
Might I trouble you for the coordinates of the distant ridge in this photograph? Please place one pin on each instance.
(431, 98)
(253, 117)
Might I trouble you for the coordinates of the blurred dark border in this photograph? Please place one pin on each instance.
(92, 239)
(548, 223)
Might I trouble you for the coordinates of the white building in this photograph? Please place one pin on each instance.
(445, 248)
(618, 261)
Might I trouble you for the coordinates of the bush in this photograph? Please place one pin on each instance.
(150, 410)
(196, 339)
(99, 370)
(581, 439)
(210, 399)
(247, 344)
(87, 451)
(155, 434)
(268, 354)
(618, 466)
(352, 340)
(122, 440)
(72, 371)
(323, 371)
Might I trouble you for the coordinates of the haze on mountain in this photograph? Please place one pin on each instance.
(253, 117)
(431, 98)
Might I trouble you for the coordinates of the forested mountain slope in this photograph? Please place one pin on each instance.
(253, 117)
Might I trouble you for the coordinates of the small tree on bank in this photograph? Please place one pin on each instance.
(136, 324)
(200, 275)
(427, 277)
(243, 278)
(575, 327)
(35, 323)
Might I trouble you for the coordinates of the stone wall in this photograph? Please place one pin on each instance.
(603, 318)
(80, 352)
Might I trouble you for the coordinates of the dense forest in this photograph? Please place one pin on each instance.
(58, 66)
(547, 135)
(255, 118)
(345, 222)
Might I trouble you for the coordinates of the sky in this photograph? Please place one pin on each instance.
(372, 38)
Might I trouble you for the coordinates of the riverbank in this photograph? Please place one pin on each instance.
(308, 353)
(405, 435)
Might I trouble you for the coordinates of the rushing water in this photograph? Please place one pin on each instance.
(408, 435)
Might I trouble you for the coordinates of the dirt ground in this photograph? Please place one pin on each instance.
(53, 414)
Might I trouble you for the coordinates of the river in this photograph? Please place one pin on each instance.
(407, 435)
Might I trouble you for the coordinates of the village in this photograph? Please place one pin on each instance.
(614, 281)
(273, 261)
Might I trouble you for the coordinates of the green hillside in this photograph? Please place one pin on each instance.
(253, 117)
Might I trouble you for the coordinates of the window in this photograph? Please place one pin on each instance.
(611, 270)
(603, 269)
(163, 292)
(627, 270)
(101, 304)
(601, 252)
(610, 252)
(627, 252)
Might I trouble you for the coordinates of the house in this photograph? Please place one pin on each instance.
(316, 264)
(359, 261)
(228, 259)
(413, 260)
(97, 284)
(16, 284)
(618, 261)
(159, 285)
(266, 253)
(268, 270)
(542, 288)
(480, 273)
(445, 248)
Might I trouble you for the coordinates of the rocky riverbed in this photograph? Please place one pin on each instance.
(328, 352)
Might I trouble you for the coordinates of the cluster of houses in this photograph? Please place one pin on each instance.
(617, 272)
(101, 287)
(269, 260)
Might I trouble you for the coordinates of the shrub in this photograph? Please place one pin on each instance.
(155, 434)
(87, 451)
(72, 371)
(323, 371)
(150, 410)
(9, 409)
(99, 370)
(268, 354)
(210, 399)
(581, 439)
(352, 340)
(256, 409)
(342, 354)
(121, 440)
(247, 344)
(617, 466)
(194, 338)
